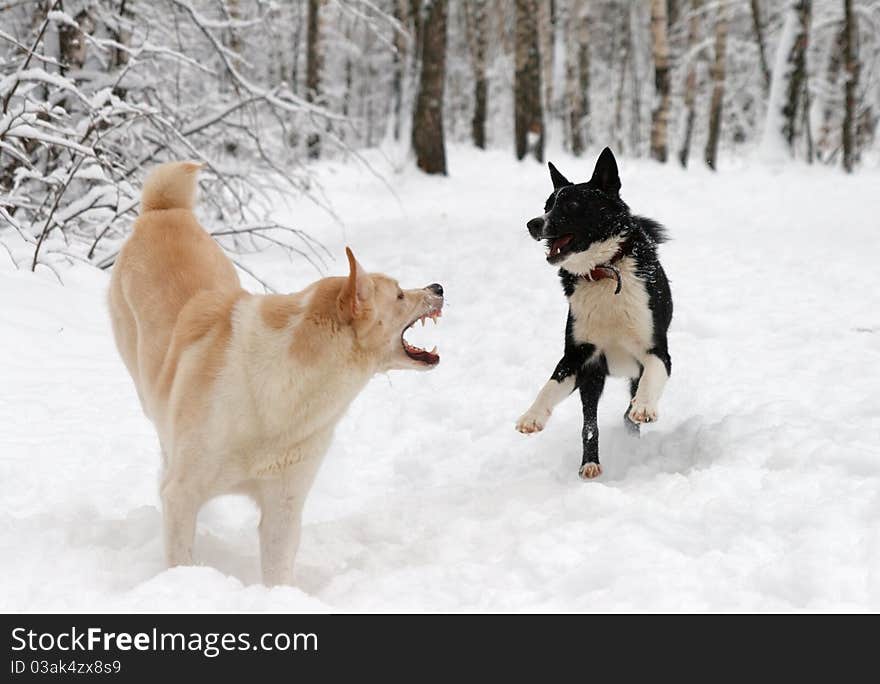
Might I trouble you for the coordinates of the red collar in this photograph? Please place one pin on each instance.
(608, 269)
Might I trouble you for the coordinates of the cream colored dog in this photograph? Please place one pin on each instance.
(245, 390)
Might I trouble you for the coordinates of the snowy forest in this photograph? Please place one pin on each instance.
(94, 91)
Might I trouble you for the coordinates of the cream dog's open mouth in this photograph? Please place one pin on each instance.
(429, 358)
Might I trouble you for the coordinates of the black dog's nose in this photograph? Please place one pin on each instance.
(436, 288)
(535, 226)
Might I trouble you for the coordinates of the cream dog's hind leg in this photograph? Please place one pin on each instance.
(180, 508)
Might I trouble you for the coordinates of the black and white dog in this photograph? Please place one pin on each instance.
(619, 303)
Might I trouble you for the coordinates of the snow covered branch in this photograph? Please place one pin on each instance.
(94, 93)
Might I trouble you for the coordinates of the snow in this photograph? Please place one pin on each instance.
(759, 488)
(32, 133)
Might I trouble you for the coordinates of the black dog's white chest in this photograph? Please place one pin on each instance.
(620, 326)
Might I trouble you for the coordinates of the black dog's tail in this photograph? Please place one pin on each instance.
(652, 229)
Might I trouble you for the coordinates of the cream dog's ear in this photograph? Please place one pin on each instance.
(356, 291)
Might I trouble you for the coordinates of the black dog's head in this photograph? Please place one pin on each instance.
(578, 217)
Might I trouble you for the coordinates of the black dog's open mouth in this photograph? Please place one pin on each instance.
(429, 358)
(558, 247)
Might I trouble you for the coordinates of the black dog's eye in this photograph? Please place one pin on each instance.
(573, 206)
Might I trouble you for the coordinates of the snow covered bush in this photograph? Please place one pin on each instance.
(94, 92)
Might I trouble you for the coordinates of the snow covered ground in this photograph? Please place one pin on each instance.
(759, 489)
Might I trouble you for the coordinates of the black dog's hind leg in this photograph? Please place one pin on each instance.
(631, 427)
(591, 382)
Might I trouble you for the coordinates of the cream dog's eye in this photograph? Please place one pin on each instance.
(400, 295)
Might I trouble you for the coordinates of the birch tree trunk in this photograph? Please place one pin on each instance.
(399, 62)
(690, 86)
(786, 84)
(313, 68)
(660, 113)
(546, 38)
(828, 134)
(477, 15)
(851, 67)
(797, 82)
(759, 39)
(672, 10)
(718, 75)
(624, 56)
(427, 132)
(578, 76)
(528, 113)
(635, 121)
(296, 39)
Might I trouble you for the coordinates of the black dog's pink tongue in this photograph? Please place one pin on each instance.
(557, 245)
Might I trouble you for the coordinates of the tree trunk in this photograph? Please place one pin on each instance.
(348, 75)
(313, 68)
(851, 66)
(805, 122)
(759, 38)
(796, 84)
(119, 56)
(786, 85)
(635, 122)
(418, 24)
(546, 25)
(528, 115)
(477, 17)
(72, 44)
(690, 87)
(625, 49)
(427, 133)
(506, 31)
(232, 12)
(296, 38)
(827, 141)
(718, 74)
(672, 10)
(578, 76)
(399, 66)
(660, 114)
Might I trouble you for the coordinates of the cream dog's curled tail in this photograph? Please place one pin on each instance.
(171, 186)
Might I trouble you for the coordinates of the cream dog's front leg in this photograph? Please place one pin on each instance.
(281, 502)
(280, 526)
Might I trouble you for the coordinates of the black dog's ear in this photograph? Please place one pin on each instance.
(605, 175)
(559, 181)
